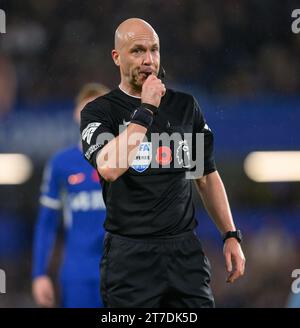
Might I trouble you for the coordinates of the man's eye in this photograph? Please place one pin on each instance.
(137, 50)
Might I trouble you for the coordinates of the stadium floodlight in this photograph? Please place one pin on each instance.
(273, 166)
(14, 169)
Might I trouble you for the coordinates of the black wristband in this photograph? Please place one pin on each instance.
(233, 234)
(143, 116)
(153, 108)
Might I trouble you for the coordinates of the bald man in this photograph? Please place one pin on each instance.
(152, 257)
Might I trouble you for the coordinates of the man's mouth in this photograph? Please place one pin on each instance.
(146, 71)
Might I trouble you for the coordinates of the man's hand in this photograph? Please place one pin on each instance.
(43, 291)
(152, 91)
(235, 259)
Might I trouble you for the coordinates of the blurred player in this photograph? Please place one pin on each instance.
(71, 187)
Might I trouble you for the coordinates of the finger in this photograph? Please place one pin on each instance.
(151, 76)
(235, 269)
(42, 301)
(47, 304)
(48, 300)
(50, 296)
(239, 264)
(241, 267)
(228, 262)
(229, 278)
(234, 276)
(46, 296)
(238, 269)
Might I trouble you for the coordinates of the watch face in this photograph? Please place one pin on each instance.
(239, 234)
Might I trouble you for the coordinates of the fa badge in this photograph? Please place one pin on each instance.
(143, 157)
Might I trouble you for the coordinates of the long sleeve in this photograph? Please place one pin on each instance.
(44, 239)
(47, 220)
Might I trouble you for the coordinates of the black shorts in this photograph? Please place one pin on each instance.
(152, 273)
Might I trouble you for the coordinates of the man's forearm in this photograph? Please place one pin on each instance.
(213, 195)
(115, 158)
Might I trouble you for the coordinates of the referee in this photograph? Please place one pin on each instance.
(152, 257)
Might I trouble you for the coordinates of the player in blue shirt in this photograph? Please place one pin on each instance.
(70, 190)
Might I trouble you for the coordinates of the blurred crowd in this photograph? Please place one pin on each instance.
(232, 47)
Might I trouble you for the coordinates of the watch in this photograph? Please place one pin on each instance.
(233, 234)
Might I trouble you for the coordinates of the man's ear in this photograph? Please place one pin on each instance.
(116, 57)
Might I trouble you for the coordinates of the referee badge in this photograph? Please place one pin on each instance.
(143, 157)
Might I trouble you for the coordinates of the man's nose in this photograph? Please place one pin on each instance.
(148, 58)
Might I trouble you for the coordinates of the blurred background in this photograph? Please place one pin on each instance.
(240, 59)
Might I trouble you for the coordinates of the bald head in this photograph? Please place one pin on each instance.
(136, 53)
(131, 29)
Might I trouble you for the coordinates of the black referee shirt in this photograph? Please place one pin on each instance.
(147, 201)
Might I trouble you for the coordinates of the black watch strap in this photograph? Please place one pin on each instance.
(233, 234)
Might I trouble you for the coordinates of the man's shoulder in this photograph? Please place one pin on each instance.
(180, 95)
(99, 104)
(179, 99)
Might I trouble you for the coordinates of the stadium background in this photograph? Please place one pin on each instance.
(241, 61)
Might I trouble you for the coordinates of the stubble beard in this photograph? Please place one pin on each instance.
(135, 83)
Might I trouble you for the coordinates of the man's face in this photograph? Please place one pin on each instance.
(138, 58)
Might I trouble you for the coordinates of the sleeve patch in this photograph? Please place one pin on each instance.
(88, 132)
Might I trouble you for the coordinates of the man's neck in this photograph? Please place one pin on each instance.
(129, 90)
